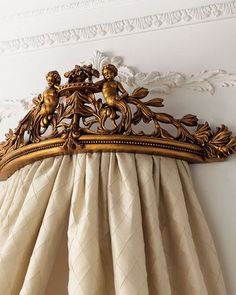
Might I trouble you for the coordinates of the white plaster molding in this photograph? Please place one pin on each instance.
(164, 83)
(13, 107)
(81, 4)
(122, 27)
(206, 81)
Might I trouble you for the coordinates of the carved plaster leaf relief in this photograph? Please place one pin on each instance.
(208, 81)
(8, 107)
(204, 81)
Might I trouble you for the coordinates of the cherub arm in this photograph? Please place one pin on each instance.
(100, 83)
(38, 101)
(122, 90)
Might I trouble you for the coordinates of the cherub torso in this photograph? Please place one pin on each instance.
(110, 91)
(50, 101)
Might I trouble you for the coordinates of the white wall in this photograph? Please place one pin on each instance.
(187, 47)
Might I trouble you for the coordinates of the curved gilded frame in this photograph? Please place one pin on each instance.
(92, 143)
(88, 114)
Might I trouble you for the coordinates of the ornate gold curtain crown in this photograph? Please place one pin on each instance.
(85, 115)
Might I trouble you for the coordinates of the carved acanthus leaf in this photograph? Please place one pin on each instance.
(204, 81)
(221, 144)
(208, 81)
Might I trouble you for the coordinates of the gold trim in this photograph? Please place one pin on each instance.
(92, 143)
(69, 118)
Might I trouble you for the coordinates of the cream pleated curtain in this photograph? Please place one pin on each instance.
(105, 224)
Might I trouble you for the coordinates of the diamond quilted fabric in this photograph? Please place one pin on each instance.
(105, 224)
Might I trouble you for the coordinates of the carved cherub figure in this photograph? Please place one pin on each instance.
(110, 87)
(49, 99)
(39, 116)
(115, 94)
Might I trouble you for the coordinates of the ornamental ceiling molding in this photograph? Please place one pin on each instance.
(81, 4)
(136, 25)
(206, 81)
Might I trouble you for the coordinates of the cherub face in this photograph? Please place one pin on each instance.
(51, 80)
(108, 74)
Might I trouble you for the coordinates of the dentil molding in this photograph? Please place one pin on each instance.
(206, 81)
(122, 27)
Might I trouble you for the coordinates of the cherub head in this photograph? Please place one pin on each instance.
(109, 72)
(53, 78)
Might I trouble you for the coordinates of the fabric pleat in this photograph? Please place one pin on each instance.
(105, 224)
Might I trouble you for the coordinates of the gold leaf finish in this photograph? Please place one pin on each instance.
(89, 114)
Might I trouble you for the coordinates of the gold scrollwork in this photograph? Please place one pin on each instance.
(103, 107)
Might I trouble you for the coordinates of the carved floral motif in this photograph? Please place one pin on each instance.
(104, 107)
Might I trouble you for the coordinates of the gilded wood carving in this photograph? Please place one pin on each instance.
(102, 108)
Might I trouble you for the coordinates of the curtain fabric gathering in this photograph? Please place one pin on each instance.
(105, 224)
